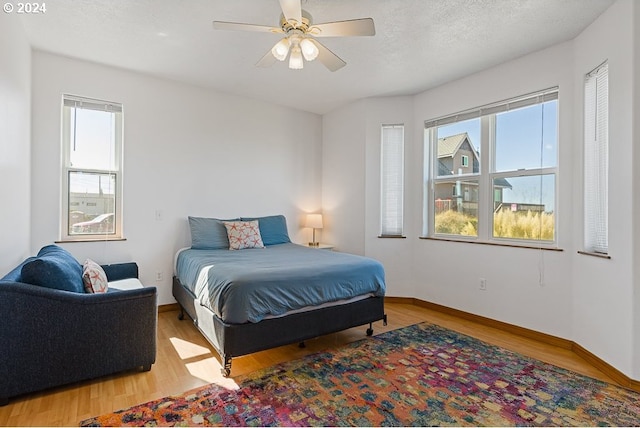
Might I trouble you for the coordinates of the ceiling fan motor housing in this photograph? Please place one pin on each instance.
(292, 24)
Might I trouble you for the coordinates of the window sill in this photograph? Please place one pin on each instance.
(102, 239)
(392, 236)
(495, 244)
(592, 254)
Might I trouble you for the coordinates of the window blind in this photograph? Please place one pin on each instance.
(392, 180)
(91, 104)
(498, 107)
(596, 160)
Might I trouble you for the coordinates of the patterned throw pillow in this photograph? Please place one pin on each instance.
(243, 234)
(94, 278)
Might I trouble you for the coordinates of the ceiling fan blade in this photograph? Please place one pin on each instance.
(353, 27)
(292, 10)
(267, 60)
(238, 26)
(330, 60)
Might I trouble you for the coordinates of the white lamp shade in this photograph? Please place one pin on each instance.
(309, 49)
(281, 49)
(314, 221)
(295, 59)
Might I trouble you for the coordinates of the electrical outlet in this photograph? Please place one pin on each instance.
(483, 284)
(159, 276)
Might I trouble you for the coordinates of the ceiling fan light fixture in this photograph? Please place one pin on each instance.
(295, 59)
(281, 49)
(299, 34)
(309, 49)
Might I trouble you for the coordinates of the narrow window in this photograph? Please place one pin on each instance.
(596, 160)
(392, 180)
(92, 169)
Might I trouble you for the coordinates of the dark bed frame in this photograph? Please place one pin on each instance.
(234, 340)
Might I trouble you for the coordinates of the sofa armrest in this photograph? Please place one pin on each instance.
(120, 271)
(52, 337)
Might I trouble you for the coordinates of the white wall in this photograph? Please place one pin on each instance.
(343, 179)
(188, 151)
(588, 300)
(604, 289)
(525, 287)
(15, 105)
(399, 273)
(636, 185)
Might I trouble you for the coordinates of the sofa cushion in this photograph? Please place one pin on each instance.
(125, 284)
(16, 274)
(54, 267)
(273, 229)
(93, 277)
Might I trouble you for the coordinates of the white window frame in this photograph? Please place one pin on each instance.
(464, 161)
(67, 168)
(487, 172)
(596, 160)
(391, 182)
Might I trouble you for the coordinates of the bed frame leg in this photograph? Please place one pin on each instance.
(302, 345)
(384, 319)
(181, 314)
(370, 329)
(226, 366)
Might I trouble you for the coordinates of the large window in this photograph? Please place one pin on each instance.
(596, 160)
(92, 169)
(392, 180)
(491, 172)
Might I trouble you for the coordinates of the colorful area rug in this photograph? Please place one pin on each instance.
(422, 375)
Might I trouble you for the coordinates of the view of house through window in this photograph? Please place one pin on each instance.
(92, 140)
(493, 173)
(456, 188)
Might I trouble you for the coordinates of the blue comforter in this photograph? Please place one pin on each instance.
(247, 285)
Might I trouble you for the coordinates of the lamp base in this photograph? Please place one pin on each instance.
(314, 244)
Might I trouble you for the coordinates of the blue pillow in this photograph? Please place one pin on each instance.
(16, 274)
(208, 233)
(273, 229)
(54, 267)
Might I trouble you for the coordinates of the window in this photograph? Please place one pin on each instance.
(596, 160)
(392, 180)
(92, 169)
(504, 186)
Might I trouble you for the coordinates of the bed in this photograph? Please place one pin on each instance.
(275, 294)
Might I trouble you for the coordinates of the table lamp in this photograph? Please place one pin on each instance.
(314, 221)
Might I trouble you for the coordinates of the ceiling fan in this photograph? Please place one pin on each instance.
(300, 36)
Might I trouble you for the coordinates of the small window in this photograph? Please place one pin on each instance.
(392, 180)
(92, 176)
(465, 160)
(596, 160)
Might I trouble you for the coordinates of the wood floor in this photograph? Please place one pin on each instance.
(185, 361)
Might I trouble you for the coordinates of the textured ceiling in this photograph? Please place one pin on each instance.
(418, 44)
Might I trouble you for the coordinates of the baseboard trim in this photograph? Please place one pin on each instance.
(583, 353)
(606, 368)
(169, 307)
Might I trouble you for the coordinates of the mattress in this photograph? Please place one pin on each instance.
(252, 284)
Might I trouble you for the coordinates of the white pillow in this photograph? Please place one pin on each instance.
(243, 234)
(94, 277)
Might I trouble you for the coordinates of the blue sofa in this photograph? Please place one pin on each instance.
(50, 336)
